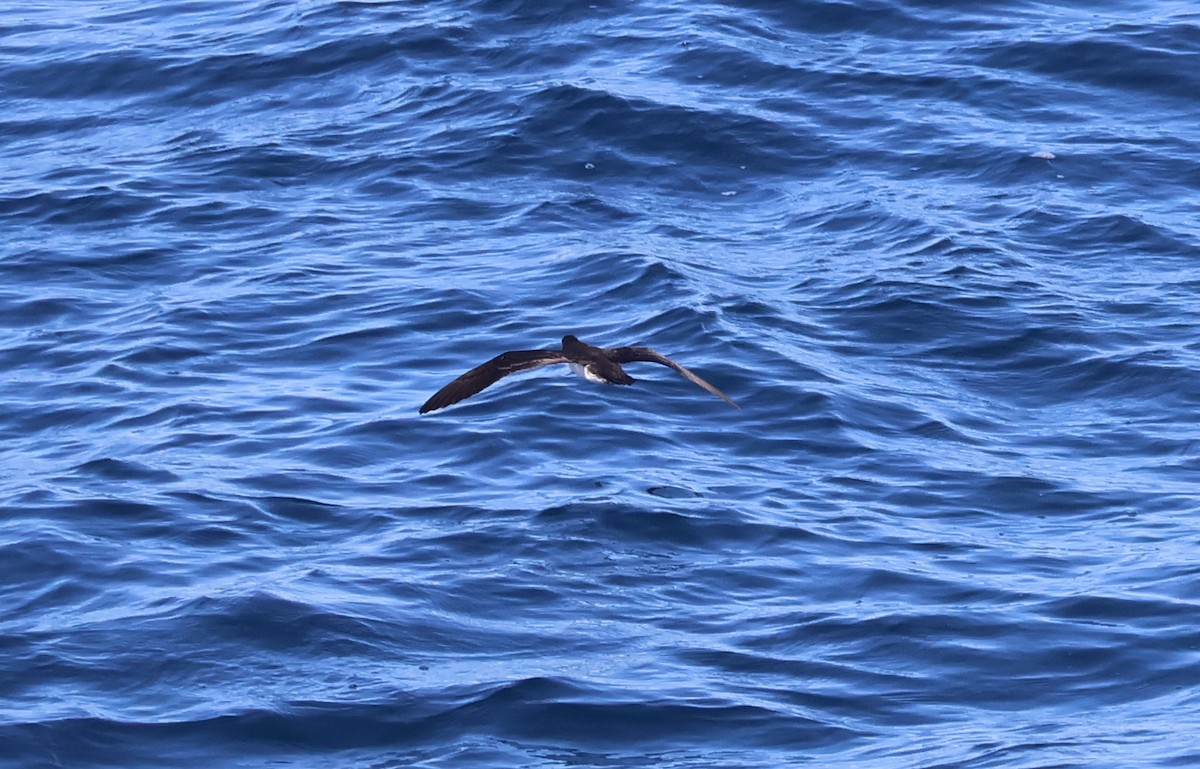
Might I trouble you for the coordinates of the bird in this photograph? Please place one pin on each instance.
(596, 364)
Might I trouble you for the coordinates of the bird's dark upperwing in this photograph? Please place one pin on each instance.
(633, 354)
(489, 373)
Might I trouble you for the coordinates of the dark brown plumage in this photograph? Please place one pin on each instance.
(597, 364)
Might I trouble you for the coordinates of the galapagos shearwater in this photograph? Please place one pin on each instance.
(596, 364)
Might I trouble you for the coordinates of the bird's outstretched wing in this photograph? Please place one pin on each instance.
(633, 354)
(489, 373)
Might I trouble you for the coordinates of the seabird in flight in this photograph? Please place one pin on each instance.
(596, 364)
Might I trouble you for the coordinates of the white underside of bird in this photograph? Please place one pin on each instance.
(585, 372)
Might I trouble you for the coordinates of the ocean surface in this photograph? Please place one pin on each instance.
(945, 256)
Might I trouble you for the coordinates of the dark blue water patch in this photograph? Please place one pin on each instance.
(40, 312)
(566, 214)
(1157, 63)
(834, 19)
(115, 469)
(102, 75)
(519, 16)
(527, 711)
(534, 711)
(96, 204)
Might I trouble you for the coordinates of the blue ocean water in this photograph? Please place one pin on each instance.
(945, 256)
